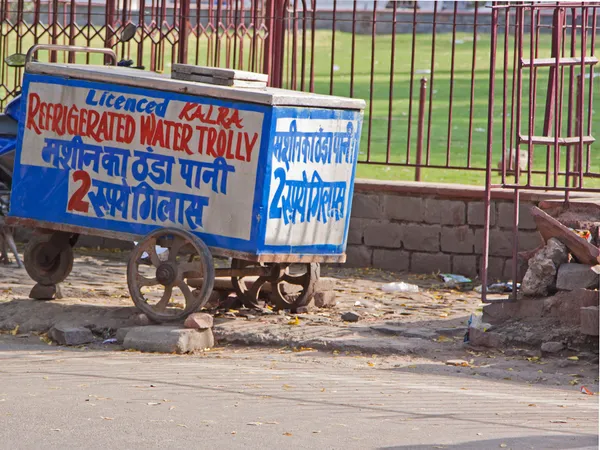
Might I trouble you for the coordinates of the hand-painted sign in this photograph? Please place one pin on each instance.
(244, 177)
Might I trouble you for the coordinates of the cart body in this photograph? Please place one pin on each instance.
(257, 174)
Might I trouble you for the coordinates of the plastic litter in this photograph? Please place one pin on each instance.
(498, 288)
(159, 250)
(476, 321)
(455, 281)
(110, 341)
(399, 287)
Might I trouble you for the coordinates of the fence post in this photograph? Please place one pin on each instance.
(421, 125)
(184, 15)
(110, 17)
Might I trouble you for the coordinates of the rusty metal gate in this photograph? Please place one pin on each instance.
(542, 132)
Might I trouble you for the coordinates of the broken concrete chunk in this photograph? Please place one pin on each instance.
(69, 335)
(556, 251)
(351, 316)
(41, 292)
(540, 278)
(576, 276)
(199, 321)
(552, 347)
(168, 339)
(589, 320)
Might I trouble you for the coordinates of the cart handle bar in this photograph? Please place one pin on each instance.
(69, 48)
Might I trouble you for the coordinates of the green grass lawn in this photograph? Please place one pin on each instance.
(438, 141)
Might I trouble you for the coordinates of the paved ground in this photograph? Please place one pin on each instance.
(426, 328)
(241, 398)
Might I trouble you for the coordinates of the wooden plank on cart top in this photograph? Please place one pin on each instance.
(149, 80)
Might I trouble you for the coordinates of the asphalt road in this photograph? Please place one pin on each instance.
(239, 398)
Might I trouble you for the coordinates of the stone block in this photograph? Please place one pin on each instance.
(476, 213)
(358, 256)
(552, 347)
(566, 305)
(41, 292)
(325, 299)
(529, 240)
(457, 239)
(121, 333)
(506, 214)
(168, 339)
(383, 234)
(589, 320)
(445, 212)
(429, 263)
(576, 276)
(465, 265)
(495, 268)
(403, 208)
(423, 238)
(395, 260)
(480, 338)
(500, 242)
(69, 335)
(198, 321)
(366, 206)
(496, 313)
(356, 230)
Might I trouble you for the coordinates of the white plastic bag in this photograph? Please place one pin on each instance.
(399, 287)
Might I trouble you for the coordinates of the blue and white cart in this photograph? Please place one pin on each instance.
(222, 166)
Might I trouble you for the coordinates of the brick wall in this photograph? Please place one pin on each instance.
(424, 228)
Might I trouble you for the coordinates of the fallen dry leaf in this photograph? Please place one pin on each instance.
(107, 418)
(573, 358)
(457, 362)
(287, 433)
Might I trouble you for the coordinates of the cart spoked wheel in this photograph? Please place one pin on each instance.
(159, 286)
(249, 296)
(295, 285)
(48, 259)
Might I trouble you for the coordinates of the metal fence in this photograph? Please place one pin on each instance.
(543, 123)
(424, 72)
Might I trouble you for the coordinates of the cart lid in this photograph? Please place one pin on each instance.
(152, 80)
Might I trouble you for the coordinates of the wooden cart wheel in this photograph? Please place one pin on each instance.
(248, 297)
(45, 263)
(295, 285)
(159, 288)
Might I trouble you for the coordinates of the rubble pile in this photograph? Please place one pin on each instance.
(568, 269)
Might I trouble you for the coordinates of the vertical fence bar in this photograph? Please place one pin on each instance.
(184, 15)
(431, 78)
(505, 92)
(590, 88)
(371, 84)
(353, 49)
(472, 99)
(532, 103)
(451, 96)
(333, 26)
(313, 26)
(391, 96)
(411, 83)
(420, 127)
(490, 146)
(110, 17)
(303, 68)
(581, 91)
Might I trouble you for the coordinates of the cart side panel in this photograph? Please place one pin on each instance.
(130, 160)
(311, 167)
